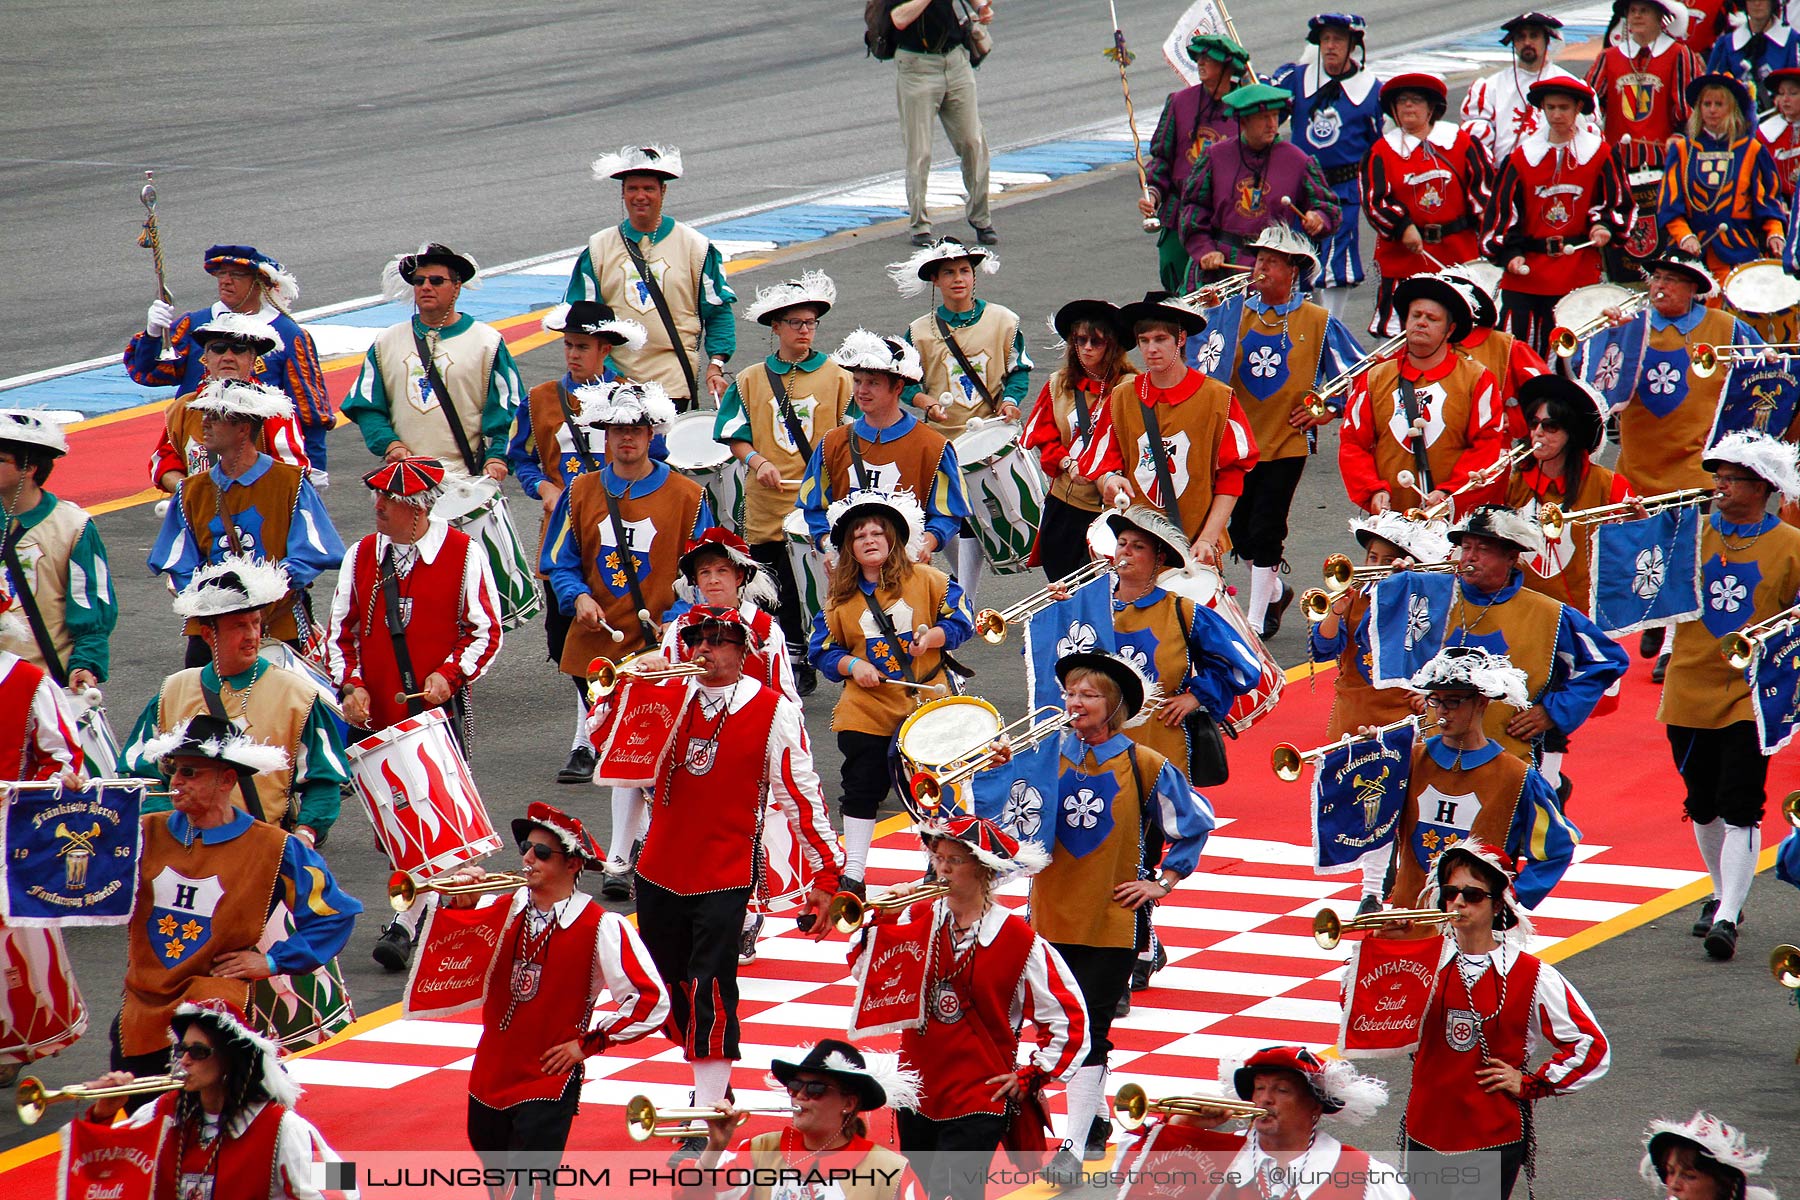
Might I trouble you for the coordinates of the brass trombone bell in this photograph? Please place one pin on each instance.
(1790, 809)
(1329, 929)
(1784, 964)
(643, 1120)
(404, 890)
(604, 675)
(992, 624)
(33, 1097)
(1133, 1105)
(849, 912)
(1316, 604)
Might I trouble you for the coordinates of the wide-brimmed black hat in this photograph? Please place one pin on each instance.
(1103, 313)
(1577, 407)
(874, 1079)
(1161, 306)
(437, 253)
(1440, 291)
(1544, 21)
(1133, 687)
(1682, 263)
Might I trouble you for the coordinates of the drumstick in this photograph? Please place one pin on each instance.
(403, 697)
(1407, 479)
(91, 697)
(935, 689)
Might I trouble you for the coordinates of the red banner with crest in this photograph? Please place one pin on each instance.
(634, 730)
(114, 1161)
(1386, 992)
(891, 994)
(456, 952)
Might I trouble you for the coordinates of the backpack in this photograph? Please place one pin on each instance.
(878, 29)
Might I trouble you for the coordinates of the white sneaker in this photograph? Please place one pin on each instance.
(616, 868)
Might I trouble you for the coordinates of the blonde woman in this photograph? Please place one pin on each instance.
(1731, 216)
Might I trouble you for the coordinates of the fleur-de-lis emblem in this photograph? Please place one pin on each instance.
(1083, 809)
(1650, 568)
(1080, 639)
(1663, 379)
(1728, 594)
(1264, 362)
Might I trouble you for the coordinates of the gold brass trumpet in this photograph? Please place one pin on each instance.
(1218, 293)
(1329, 929)
(403, 889)
(604, 675)
(33, 1097)
(1741, 646)
(1707, 359)
(1316, 604)
(1790, 809)
(1132, 1105)
(1286, 758)
(1338, 385)
(929, 786)
(643, 1120)
(1500, 468)
(1341, 574)
(1565, 341)
(849, 912)
(1784, 964)
(992, 624)
(1553, 518)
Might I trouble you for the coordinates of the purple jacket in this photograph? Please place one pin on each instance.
(1238, 194)
(1192, 121)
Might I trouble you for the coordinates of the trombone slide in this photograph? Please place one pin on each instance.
(1554, 519)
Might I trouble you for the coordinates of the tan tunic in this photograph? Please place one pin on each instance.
(1661, 454)
(678, 262)
(466, 363)
(820, 399)
(44, 553)
(989, 346)
(1703, 691)
(273, 709)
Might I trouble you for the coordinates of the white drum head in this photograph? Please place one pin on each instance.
(983, 444)
(1584, 304)
(1761, 288)
(946, 729)
(463, 495)
(691, 445)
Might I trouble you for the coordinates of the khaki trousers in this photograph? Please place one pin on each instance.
(941, 86)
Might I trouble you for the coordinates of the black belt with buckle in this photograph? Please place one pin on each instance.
(1437, 233)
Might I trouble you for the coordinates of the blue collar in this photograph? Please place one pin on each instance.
(254, 472)
(1154, 596)
(1078, 751)
(892, 433)
(626, 229)
(183, 829)
(1446, 758)
(1683, 324)
(1508, 590)
(1768, 522)
(810, 363)
(962, 320)
(618, 489)
(1257, 304)
(607, 374)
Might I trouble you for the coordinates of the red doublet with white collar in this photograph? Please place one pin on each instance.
(552, 981)
(431, 607)
(957, 1057)
(245, 1163)
(1446, 1109)
(1783, 141)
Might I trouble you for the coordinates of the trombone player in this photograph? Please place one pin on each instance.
(1750, 571)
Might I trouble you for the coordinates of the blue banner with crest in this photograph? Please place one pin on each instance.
(1408, 613)
(1358, 791)
(1775, 689)
(1646, 572)
(1082, 623)
(69, 857)
(1021, 796)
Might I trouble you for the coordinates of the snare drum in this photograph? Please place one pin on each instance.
(476, 507)
(695, 453)
(1006, 489)
(280, 654)
(1766, 297)
(420, 797)
(811, 578)
(1260, 700)
(1485, 274)
(43, 1011)
(1585, 304)
(296, 1011)
(939, 732)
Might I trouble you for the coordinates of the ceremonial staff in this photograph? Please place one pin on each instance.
(151, 240)
(1124, 57)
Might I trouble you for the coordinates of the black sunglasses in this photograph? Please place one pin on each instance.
(196, 1051)
(1546, 424)
(219, 345)
(538, 850)
(1472, 895)
(812, 1089)
(715, 632)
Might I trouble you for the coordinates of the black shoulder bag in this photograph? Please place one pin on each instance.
(446, 404)
(215, 705)
(1206, 764)
(40, 632)
(662, 310)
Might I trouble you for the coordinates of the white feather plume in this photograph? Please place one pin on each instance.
(623, 402)
(1501, 523)
(259, 583)
(1431, 896)
(557, 321)
(1770, 458)
(242, 325)
(1361, 1096)
(238, 750)
(1492, 675)
(906, 274)
(813, 287)
(1423, 541)
(900, 501)
(242, 398)
(901, 1085)
(652, 158)
(395, 287)
(33, 427)
(864, 350)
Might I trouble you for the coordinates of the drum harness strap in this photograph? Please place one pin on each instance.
(40, 633)
(662, 310)
(1159, 455)
(962, 360)
(445, 404)
(1409, 401)
(627, 563)
(215, 705)
(388, 581)
(577, 439)
(785, 407)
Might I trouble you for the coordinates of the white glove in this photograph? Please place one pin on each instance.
(160, 317)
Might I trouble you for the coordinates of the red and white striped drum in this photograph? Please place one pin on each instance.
(41, 1009)
(420, 797)
(1260, 700)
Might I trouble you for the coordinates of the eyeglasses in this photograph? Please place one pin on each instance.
(538, 850)
(1545, 424)
(715, 632)
(943, 861)
(1724, 480)
(188, 772)
(801, 322)
(1090, 339)
(194, 1051)
(1446, 703)
(812, 1089)
(1472, 895)
(433, 280)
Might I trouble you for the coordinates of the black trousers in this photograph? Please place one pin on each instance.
(950, 1158)
(1259, 520)
(1512, 1160)
(1062, 537)
(773, 558)
(1724, 770)
(1529, 318)
(1102, 973)
(556, 625)
(864, 772)
(694, 942)
(525, 1135)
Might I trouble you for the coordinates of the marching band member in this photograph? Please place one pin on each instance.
(1492, 1005)
(771, 416)
(1498, 110)
(972, 357)
(984, 972)
(230, 601)
(1425, 185)
(718, 571)
(208, 876)
(231, 345)
(541, 1016)
(440, 384)
(610, 551)
(1192, 119)
(1641, 83)
(1249, 181)
(39, 732)
(1430, 411)
(1462, 787)
(1568, 662)
(1193, 468)
(736, 744)
(1564, 184)
(1751, 570)
(888, 617)
(1510, 360)
(1069, 415)
(1337, 121)
(246, 503)
(1567, 420)
(1085, 902)
(231, 1129)
(1701, 1158)
(1720, 196)
(253, 285)
(1706, 20)
(1759, 42)
(1287, 346)
(61, 573)
(1780, 132)
(831, 1085)
(415, 608)
(886, 448)
(689, 294)
(549, 447)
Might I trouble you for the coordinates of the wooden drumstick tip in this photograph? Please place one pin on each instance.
(403, 697)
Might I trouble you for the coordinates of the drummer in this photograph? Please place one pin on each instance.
(879, 582)
(771, 416)
(1741, 220)
(1563, 185)
(971, 355)
(37, 739)
(548, 448)
(1780, 132)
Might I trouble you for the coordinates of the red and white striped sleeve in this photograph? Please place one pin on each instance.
(53, 733)
(1485, 437)
(1560, 1016)
(479, 635)
(1237, 452)
(1041, 434)
(1356, 446)
(794, 787)
(640, 1000)
(343, 658)
(163, 458)
(1050, 999)
(285, 442)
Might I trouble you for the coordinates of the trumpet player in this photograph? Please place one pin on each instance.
(1750, 570)
(231, 1129)
(1431, 411)
(540, 1017)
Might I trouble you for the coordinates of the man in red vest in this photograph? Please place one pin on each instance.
(37, 733)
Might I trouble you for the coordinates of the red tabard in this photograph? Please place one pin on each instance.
(1559, 195)
(1348, 1180)
(18, 754)
(1446, 1109)
(1424, 180)
(558, 1008)
(246, 1163)
(1640, 100)
(431, 600)
(703, 822)
(957, 1059)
